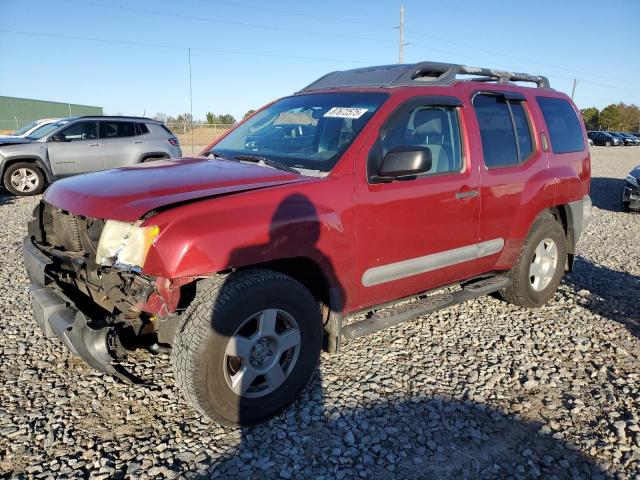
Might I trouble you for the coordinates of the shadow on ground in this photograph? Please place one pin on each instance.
(6, 198)
(414, 438)
(606, 193)
(613, 294)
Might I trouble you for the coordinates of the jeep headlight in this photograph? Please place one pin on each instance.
(633, 181)
(124, 243)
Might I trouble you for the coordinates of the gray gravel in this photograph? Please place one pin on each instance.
(482, 390)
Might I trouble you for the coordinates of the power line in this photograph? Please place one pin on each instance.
(515, 57)
(179, 47)
(339, 35)
(297, 14)
(228, 22)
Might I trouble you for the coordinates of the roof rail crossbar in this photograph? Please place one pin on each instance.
(423, 73)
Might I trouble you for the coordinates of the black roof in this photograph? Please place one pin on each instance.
(121, 117)
(418, 74)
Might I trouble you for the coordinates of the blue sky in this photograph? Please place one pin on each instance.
(246, 53)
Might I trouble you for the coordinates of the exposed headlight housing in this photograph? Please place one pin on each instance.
(633, 181)
(125, 244)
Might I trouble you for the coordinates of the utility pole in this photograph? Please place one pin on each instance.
(573, 90)
(401, 28)
(190, 100)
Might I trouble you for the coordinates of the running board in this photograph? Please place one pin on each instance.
(396, 314)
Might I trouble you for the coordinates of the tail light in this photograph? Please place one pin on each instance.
(174, 141)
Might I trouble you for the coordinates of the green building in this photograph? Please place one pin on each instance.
(15, 112)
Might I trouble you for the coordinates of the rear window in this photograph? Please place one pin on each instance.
(563, 125)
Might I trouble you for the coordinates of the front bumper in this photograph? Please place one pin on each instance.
(58, 316)
(631, 197)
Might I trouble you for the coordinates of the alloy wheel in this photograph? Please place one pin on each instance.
(262, 353)
(24, 180)
(544, 264)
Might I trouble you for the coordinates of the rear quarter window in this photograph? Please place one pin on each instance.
(562, 122)
(141, 128)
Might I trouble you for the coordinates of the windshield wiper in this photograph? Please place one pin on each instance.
(266, 161)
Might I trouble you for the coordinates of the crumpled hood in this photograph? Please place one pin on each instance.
(127, 193)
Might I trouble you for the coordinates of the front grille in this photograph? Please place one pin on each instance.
(65, 231)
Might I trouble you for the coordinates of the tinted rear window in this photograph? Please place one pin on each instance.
(496, 131)
(141, 128)
(563, 124)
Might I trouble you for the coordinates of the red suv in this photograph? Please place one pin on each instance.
(326, 215)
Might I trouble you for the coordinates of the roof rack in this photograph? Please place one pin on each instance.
(418, 74)
(118, 116)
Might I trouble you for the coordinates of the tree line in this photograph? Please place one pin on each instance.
(617, 117)
(210, 119)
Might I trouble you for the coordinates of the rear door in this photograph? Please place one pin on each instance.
(421, 232)
(515, 184)
(80, 152)
(121, 143)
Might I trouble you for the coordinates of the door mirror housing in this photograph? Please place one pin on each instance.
(58, 137)
(404, 163)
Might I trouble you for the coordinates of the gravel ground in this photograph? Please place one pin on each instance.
(482, 390)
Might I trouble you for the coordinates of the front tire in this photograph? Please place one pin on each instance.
(23, 179)
(247, 346)
(540, 266)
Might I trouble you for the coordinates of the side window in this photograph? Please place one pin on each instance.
(429, 126)
(117, 129)
(523, 132)
(81, 131)
(504, 130)
(563, 124)
(141, 128)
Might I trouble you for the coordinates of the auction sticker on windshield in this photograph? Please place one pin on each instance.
(345, 112)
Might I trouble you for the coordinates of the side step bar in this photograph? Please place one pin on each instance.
(396, 314)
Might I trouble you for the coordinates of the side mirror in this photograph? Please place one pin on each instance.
(404, 162)
(58, 137)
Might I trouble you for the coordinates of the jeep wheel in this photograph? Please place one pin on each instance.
(540, 266)
(23, 179)
(247, 346)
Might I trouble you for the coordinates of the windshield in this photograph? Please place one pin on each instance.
(304, 131)
(46, 129)
(24, 129)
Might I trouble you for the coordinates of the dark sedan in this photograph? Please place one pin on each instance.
(620, 137)
(603, 139)
(633, 140)
(631, 190)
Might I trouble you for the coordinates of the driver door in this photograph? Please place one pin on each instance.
(420, 232)
(79, 152)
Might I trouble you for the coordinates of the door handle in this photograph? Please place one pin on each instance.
(94, 145)
(467, 194)
(137, 141)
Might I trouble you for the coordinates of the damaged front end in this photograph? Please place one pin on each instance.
(99, 307)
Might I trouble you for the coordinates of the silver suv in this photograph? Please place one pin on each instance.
(79, 145)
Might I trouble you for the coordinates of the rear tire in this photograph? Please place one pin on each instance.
(247, 346)
(540, 266)
(24, 179)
